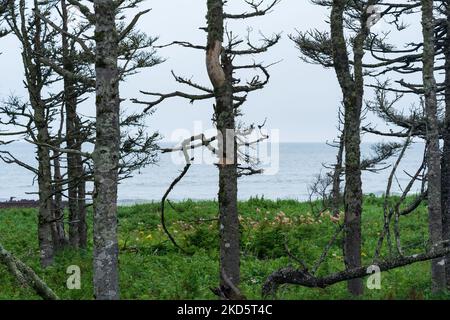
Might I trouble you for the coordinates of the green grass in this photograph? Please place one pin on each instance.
(151, 268)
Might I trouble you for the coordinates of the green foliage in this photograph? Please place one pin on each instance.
(202, 238)
(152, 268)
(268, 242)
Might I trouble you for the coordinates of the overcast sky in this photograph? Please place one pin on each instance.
(301, 100)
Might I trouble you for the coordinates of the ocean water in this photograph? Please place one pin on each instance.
(291, 168)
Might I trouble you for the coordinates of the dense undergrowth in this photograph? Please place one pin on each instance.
(152, 268)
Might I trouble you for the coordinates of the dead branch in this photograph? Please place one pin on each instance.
(163, 201)
(25, 275)
(303, 278)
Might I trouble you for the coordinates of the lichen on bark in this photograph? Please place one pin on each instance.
(106, 153)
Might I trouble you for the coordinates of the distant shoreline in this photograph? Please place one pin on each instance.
(33, 204)
(23, 203)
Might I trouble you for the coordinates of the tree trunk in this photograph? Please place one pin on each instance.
(35, 83)
(77, 223)
(82, 211)
(106, 154)
(336, 197)
(433, 154)
(59, 234)
(228, 211)
(45, 234)
(353, 91)
(353, 195)
(72, 170)
(220, 70)
(445, 164)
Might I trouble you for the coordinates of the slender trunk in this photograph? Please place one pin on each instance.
(229, 219)
(336, 189)
(59, 235)
(433, 155)
(74, 219)
(353, 91)
(106, 154)
(82, 212)
(45, 236)
(73, 170)
(220, 71)
(446, 154)
(81, 196)
(353, 195)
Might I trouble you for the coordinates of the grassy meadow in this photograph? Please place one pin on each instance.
(152, 268)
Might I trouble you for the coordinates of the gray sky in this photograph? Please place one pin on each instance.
(301, 100)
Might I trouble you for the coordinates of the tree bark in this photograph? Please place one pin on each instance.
(353, 91)
(76, 184)
(45, 234)
(35, 84)
(228, 211)
(220, 71)
(106, 154)
(336, 197)
(83, 228)
(59, 234)
(433, 154)
(445, 164)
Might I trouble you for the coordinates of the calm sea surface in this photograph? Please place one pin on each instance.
(291, 172)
